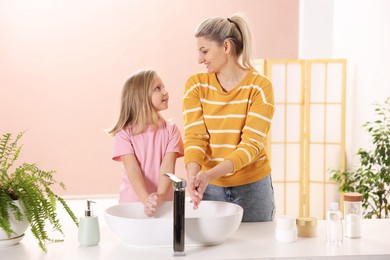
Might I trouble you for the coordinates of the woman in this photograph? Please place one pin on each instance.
(227, 115)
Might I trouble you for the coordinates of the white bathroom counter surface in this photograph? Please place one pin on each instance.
(251, 241)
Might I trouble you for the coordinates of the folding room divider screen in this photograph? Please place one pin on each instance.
(307, 136)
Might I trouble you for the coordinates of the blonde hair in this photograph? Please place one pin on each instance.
(136, 105)
(235, 29)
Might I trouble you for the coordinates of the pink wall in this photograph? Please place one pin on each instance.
(63, 65)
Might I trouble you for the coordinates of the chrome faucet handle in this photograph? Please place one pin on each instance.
(177, 182)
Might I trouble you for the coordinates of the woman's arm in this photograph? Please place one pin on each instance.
(192, 170)
(196, 137)
(257, 125)
(199, 183)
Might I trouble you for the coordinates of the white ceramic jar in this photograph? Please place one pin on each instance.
(286, 230)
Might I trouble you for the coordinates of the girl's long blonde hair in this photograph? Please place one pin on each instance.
(136, 104)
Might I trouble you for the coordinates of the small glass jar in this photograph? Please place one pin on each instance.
(307, 226)
(353, 214)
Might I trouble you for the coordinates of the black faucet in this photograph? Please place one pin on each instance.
(179, 186)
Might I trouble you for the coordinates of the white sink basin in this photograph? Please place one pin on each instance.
(211, 224)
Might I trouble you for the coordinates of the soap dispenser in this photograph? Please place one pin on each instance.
(89, 232)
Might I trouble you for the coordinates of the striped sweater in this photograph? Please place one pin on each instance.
(232, 125)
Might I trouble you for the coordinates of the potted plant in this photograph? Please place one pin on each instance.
(31, 188)
(372, 177)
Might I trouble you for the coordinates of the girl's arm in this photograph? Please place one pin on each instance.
(155, 200)
(134, 174)
(167, 166)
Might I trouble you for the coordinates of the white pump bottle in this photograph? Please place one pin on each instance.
(89, 231)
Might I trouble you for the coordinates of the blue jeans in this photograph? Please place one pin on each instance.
(257, 199)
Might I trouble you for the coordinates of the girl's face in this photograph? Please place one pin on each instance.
(212, 55)
(160, 96)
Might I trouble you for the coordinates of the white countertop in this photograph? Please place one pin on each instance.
(251, 241)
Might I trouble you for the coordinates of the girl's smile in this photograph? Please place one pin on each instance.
(160, 95)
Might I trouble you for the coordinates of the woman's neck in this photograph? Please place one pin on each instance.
(231, 76)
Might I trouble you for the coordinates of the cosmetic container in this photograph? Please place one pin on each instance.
(286, 230)
(307, 226)
(89, 231)
(353, 214)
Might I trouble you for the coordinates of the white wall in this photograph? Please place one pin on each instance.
(316, 30)
(359, 31)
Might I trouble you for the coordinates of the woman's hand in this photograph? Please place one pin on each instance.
(197, 186)
(152, 204)
(191, 187)
(192, 170)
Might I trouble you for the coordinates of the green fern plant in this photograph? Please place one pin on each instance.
(372, 177)
(33, 188)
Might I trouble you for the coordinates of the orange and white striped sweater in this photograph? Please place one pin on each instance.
(232, 125)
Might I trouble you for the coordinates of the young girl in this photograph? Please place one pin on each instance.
(147, 145)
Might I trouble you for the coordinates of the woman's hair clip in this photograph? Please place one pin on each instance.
(229, 20)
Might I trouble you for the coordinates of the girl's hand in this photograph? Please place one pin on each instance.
(152, 204)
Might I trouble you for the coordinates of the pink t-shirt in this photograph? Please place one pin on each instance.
(149, 147)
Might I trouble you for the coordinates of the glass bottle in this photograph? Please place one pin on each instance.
(353, 214)
(334, 224)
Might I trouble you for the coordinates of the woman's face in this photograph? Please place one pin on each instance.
(160, 96)
(213, 56)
